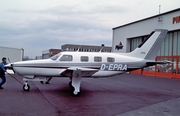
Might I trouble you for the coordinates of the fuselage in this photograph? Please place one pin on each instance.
(95, 64)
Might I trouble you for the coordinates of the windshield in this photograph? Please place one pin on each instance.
(55, 56)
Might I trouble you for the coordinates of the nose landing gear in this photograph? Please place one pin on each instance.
(26, 87)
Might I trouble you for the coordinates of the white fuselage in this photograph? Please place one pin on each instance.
(91, 64)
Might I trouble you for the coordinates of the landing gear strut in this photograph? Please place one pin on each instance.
(75, 82)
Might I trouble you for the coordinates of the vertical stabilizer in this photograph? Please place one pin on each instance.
(150, 48)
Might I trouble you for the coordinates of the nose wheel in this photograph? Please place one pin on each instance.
(26, 87)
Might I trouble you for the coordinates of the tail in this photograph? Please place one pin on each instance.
(150, 47)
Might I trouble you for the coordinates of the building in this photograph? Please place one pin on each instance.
(38, 57)
(86, 48)
(72, 47)
(48, 53)
(127, 37)
(12, 54)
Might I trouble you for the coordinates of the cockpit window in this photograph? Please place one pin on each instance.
(66, 58)
(55, 57)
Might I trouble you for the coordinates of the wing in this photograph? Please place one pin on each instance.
(85, 72)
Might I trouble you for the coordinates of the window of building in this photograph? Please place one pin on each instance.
(161, 51)
(166, 43)
(84, 58)
(178, 39)
(171, 45)
(175, 43)
(97, 59)
(110, 59)
(135, 42)
(66, 58)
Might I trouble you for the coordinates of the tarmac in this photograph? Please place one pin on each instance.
(122, 95)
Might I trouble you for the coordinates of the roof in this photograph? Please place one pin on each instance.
(11, 48)
(83, 46)
(50, 50)
(178, 9)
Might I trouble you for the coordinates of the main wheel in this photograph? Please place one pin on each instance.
(74, 93)
(26, 87)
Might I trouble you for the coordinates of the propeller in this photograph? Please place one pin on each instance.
(9, 66)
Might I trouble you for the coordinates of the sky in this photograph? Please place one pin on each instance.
(38, 25)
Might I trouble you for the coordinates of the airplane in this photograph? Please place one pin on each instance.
(76, 65)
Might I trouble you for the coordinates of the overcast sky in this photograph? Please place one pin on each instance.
(38, 25)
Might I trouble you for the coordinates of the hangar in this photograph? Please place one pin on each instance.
(14, 54)
(49, 53)
(127, 37)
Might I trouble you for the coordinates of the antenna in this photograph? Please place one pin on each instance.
(159, 9)
(9, 60)
(102, 46)
(160, 18)
(101, 49)
(78, 49)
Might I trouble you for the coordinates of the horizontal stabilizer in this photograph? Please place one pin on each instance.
(158, 62)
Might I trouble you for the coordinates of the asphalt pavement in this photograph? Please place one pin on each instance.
(122, 95)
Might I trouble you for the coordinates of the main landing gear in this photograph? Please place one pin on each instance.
(74, 93)
(75, 82)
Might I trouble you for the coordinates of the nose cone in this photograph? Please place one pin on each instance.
(9, 66)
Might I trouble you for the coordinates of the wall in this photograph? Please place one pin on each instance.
(14, 54)
(143, 27)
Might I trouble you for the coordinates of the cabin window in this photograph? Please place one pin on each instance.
(97, 59)
(110, 59)
(84, 58)
(66, 58)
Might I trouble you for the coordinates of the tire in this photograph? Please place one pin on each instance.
(26, 87)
